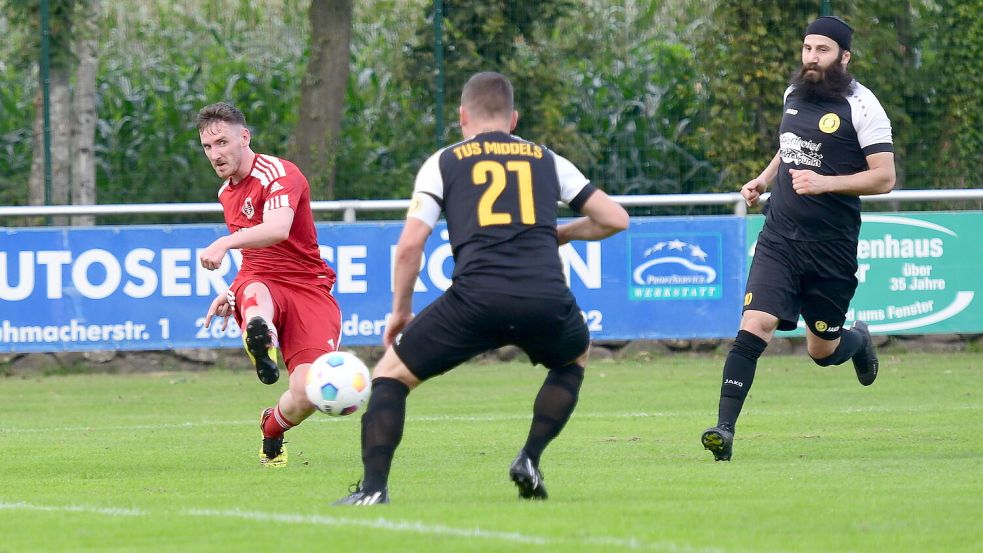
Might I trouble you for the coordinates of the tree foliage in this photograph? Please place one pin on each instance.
(953, 65)
(314, 147)
(885, 42)
(917, 57)
(489, 37)
(635, 100)
(26, 14)
(746, 52)
(646, 96)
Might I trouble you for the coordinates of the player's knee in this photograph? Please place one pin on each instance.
(575, 370)
(569, 376)
(391, 366)
(582, 360)
(256, 290)
(761, 327)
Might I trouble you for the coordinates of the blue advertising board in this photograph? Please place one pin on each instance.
(142, 288)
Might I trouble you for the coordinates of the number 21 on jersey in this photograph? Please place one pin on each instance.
(493, 173)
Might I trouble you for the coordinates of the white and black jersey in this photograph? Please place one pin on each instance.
(499, 194)
(830, 137)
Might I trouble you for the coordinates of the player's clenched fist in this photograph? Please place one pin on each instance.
(212, 256)
(753, 190)
(806, 183)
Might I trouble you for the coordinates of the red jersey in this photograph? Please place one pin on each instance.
(275, 183)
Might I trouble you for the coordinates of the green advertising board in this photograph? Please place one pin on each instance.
(919, 272)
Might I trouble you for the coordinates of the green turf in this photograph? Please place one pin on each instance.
(168, 463)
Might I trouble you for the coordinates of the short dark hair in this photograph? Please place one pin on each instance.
(488, 94)
(221, 111)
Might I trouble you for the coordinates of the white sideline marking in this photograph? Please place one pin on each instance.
(112, 512)
(378, 523)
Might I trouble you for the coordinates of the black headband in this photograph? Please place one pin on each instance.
(832, 27)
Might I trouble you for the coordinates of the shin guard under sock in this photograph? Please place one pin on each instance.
(738, 375)
(553, 407)
(382, 430)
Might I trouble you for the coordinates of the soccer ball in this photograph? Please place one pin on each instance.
(338, 383)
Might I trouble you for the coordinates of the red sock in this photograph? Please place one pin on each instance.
(276, 424)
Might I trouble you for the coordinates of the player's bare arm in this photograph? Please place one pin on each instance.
(409, 252)
(274, 228)
(877, 179)
(604, 217)
(754, 188)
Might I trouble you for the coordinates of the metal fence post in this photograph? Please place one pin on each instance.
(438, 33)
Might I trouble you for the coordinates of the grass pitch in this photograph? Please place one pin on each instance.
(168, 463)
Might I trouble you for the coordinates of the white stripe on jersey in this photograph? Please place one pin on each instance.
(260, 175)
(267, 169)
(275, 161)
(264, 169)
(276, 202)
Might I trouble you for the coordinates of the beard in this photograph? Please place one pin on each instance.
(830, 83)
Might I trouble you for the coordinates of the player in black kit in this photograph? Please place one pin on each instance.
(835, 145)
(499, 195)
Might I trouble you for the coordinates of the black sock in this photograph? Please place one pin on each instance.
(850, 343)
(553, 407)
(382, 429)
(738, 376)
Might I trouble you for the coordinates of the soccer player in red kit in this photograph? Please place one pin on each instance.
(281, 296)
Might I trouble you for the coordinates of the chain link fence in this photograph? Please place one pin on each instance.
(646, 96)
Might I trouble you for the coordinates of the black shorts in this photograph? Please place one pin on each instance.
(793, 277)
(461, 324)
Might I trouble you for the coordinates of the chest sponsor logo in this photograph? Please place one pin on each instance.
(247, 208)
(796, 150)
(829, 123)
(675, 267)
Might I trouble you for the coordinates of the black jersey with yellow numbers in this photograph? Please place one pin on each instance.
(499, 195)
(830, 137)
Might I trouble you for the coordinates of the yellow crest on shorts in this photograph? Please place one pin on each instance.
(747, 299)
(829, 123)
(821, 326)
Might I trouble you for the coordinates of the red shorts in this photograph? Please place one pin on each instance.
(306, 317)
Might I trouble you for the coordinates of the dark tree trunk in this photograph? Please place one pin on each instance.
(322, 102)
